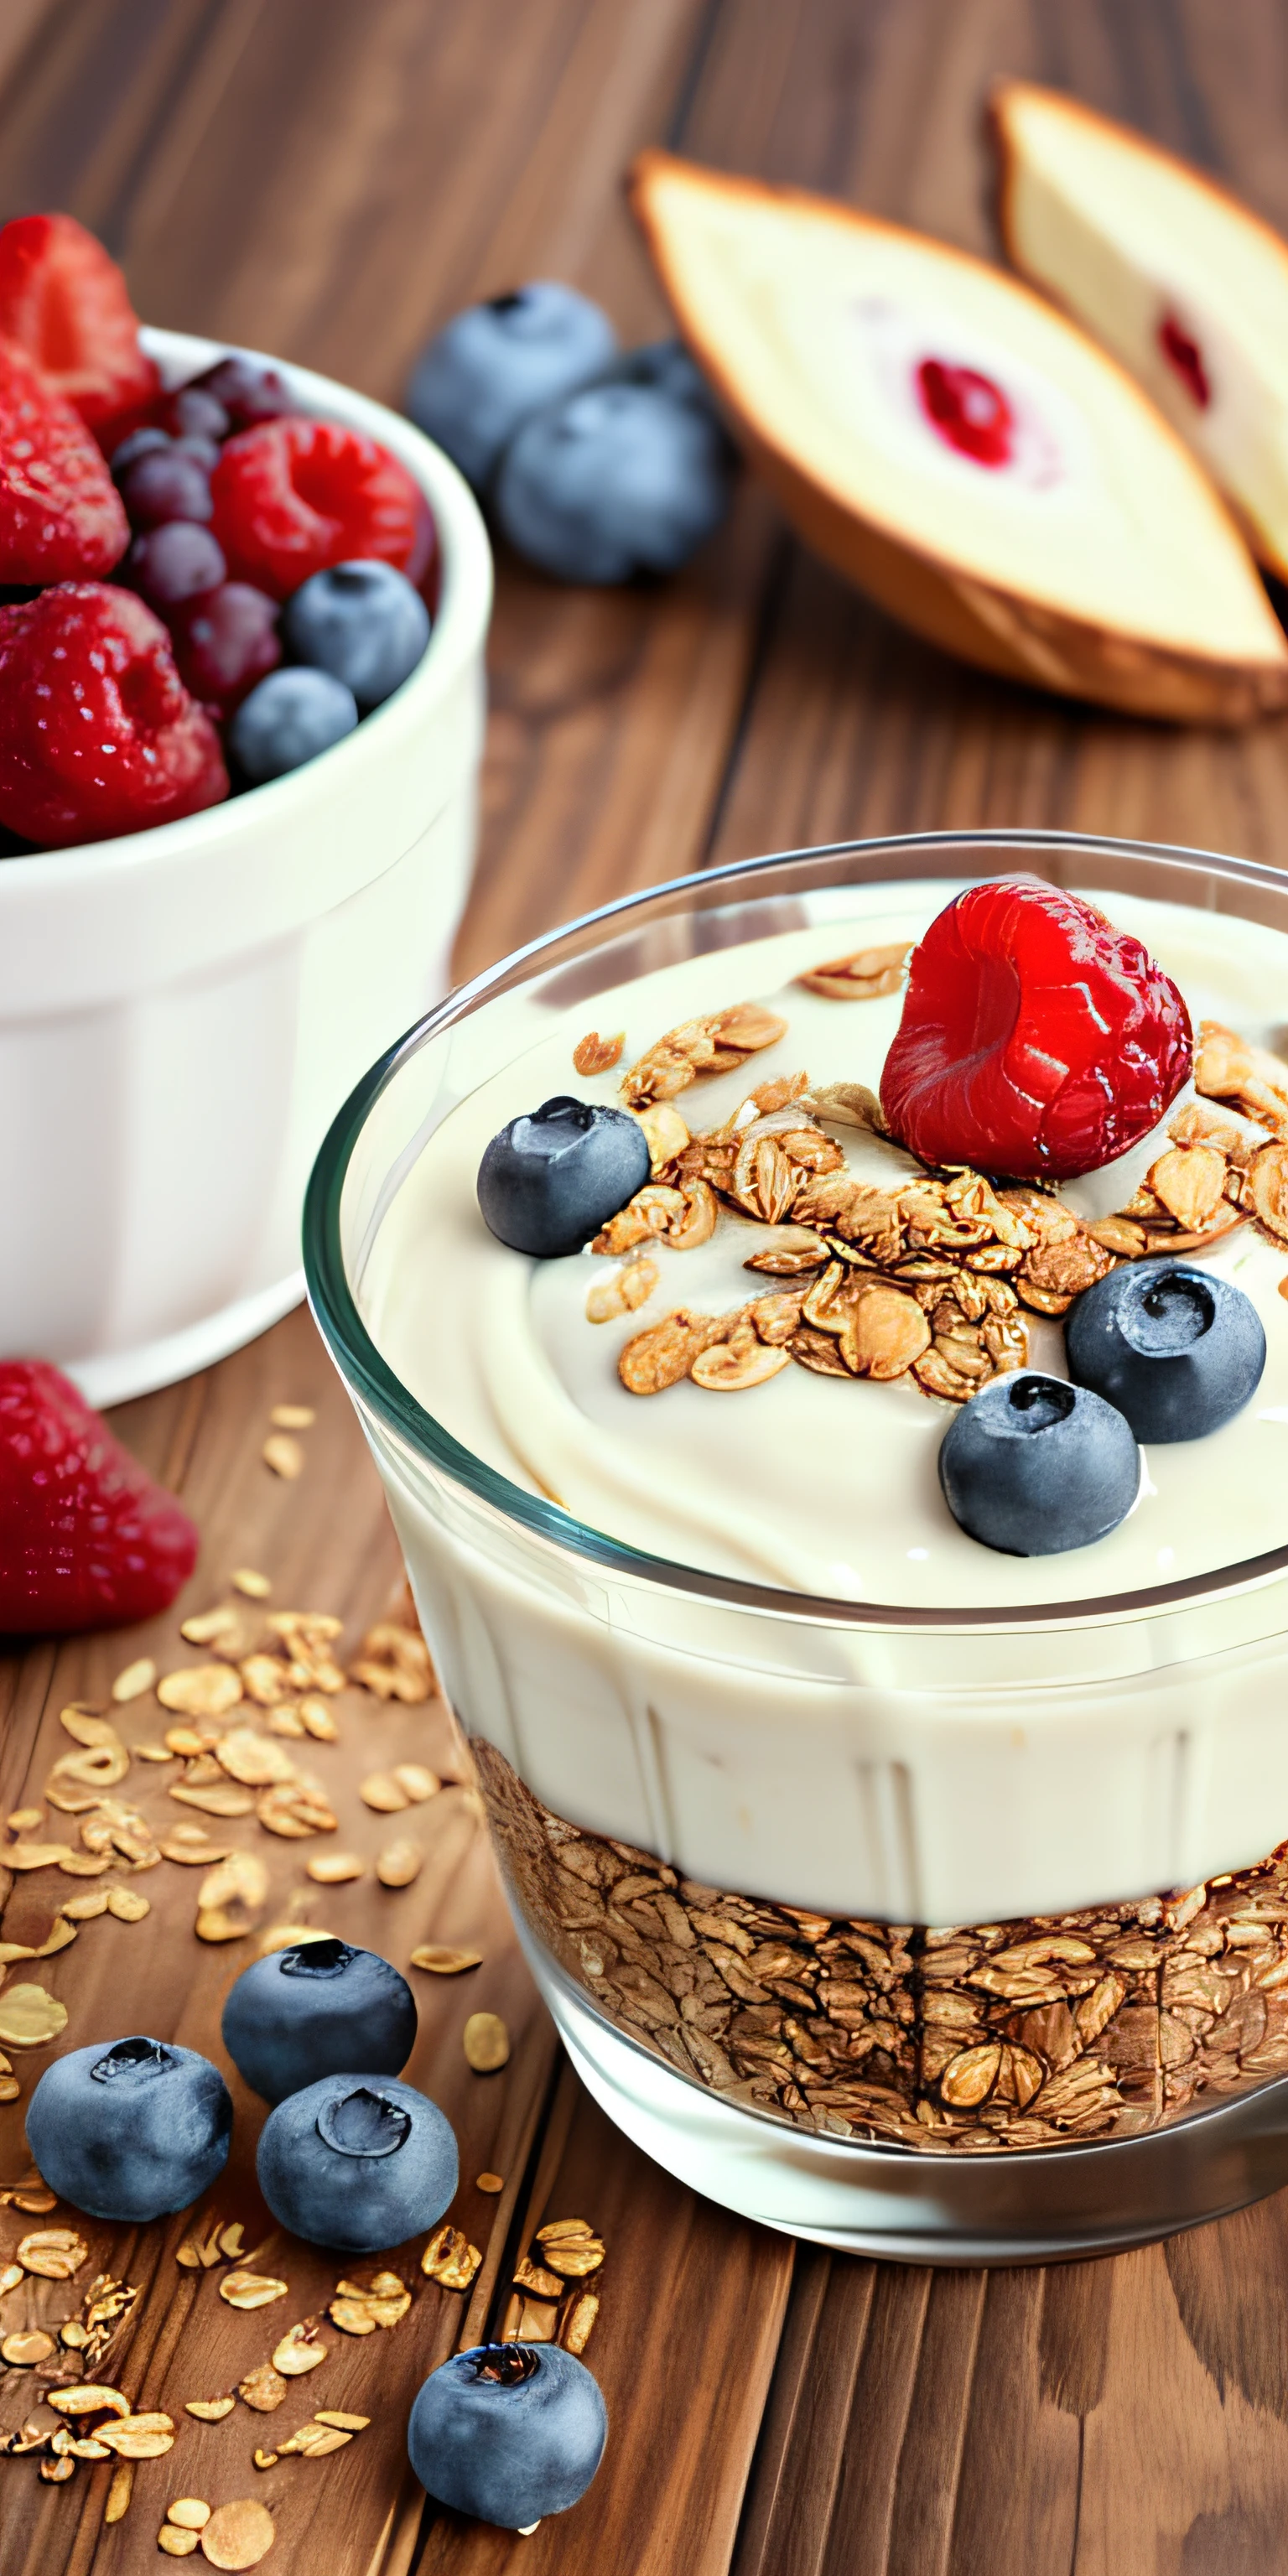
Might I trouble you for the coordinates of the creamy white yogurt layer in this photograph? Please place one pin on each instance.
(818, 1484)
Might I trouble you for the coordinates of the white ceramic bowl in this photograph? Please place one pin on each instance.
(183, 1010)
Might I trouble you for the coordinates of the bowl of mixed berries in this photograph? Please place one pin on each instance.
(242, 619)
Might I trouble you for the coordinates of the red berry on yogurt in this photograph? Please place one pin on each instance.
(61, 517)
(86, 1538)
(1036, 1041)
(65, 302)
(98, 734)
(294, 496)
(970, 412)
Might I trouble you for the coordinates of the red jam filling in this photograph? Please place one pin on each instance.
(969, 411)
(1185, 358)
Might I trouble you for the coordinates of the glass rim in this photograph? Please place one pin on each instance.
(369, 1377)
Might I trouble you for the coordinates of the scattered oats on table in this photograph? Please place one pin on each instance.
(282, 1452)
(486, 2042)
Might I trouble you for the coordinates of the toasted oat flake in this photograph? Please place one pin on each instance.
(315, 2441)
(441, 1961)
(253, 1759)
(489, 2182)
(282, 1452)
(573, 2258)
(263, 2389)
(300, 2350)
(213, 1798)
(536, 2281)
(399, 1863)
(289, 1936)
(862, 976)
(333, 1868)
(210, 2410)
(593, 1054)
(175, 2543)
(418, 1783)
(232, 1895)
(486, 2042)
(293, 1417)
(450, 2259)
(265, 1679)
(11, 2274)
(190, 2513)
(91, 2397)
(137, 1678)
(223, 1628)
(200, 1690)
(30, 2017)
(25, 1820)
(244, 2289)
(359, 2309)
(119, 2492)
(247, 1580)
(295, 1810)
(238, 2535)
(577, 2324)
(138, 2437)
(127, 1905)
(394, 1663)
(22, 2351)
(317, 1719)
(381, 1791)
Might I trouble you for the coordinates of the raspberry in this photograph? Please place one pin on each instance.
(294, 496)
(61, 516)
(87, 1540)
(1036, 1040)
(66, 303)
(98, 734)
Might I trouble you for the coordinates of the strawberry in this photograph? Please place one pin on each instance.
(294, 496)
(98, 734)
(61, 516)
(1036, 1040)
(66, 303)
(87, 1540)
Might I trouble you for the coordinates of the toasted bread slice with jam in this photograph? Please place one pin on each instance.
(1184, 286)
(962, 451)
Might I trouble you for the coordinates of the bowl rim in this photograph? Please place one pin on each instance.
(376, 1387)
(459, 626)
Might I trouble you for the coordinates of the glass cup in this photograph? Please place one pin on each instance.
(940, 1934)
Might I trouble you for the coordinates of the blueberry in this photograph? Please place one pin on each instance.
(556, 1174)
(130, 2129)
(1177, 1349)
(509, 2432)
(357, 2161)
(171, 482)
(493, 366)
(617, 480)
(321, 2008)
(224, 640)
(1033, 1466)
(288, 719)
(245, 391)
(193, 412)
(667, 367)
(141, 442)
(176, 561)
(363, 622)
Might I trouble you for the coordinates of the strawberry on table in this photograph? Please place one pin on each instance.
(61, 516)
(98, 734)
(294, 496)
(1036, 1041)
(87, 1540)
(65, 302)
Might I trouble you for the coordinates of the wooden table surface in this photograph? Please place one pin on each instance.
(331, 181)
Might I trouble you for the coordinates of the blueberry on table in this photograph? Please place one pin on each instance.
(318, 2009)
(176, 561)
(364, 622)
(1033, 1466)
(130, 2129)
(552, 1177)
(1177, 1349)
(666, 366)
(358, 2162)
(619, 479)
(494, 365)
(509, 2432)
(288, 719)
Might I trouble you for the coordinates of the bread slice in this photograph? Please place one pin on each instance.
(1093, 557)
(1186, 288)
